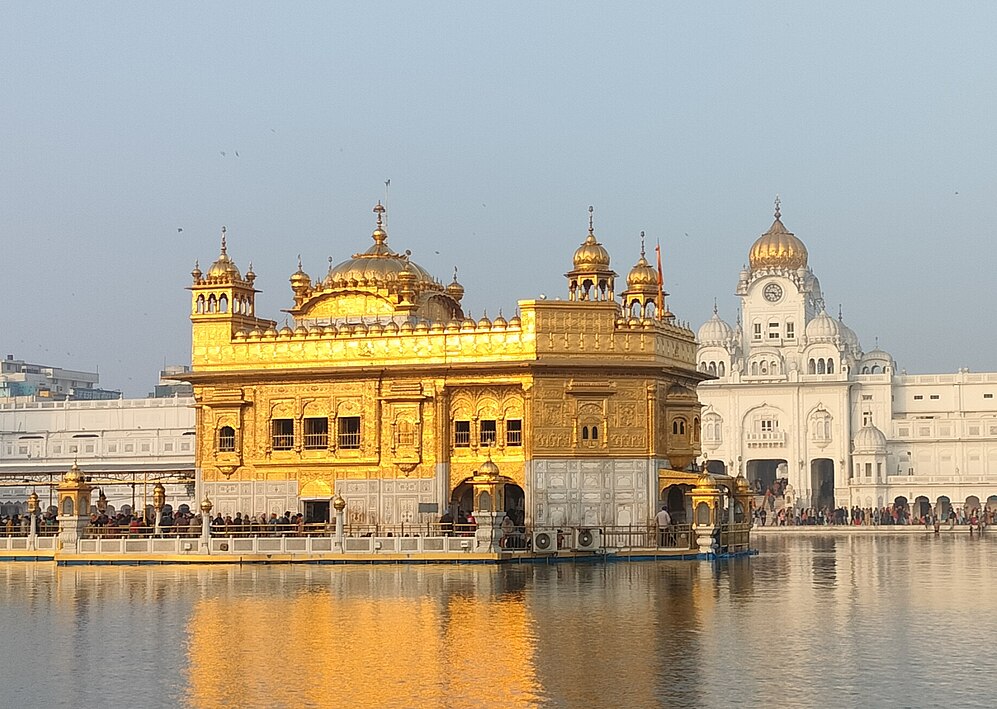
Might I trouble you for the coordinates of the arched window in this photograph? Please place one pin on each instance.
(211, 303)
(585, 433)
(721, 369)
(773, 367)
(67, 507)
(754, 369)
(635, 309)
(226, 439)
(821, 367)
(865, 369)
(650, 309)
(678, 427)
(811, 367)
(875, 369)
(765, 368)
(713, 368)
(595, 433)
(830, 366)
(223, 304)
(200, 304)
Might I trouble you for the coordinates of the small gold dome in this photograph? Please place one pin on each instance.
(339, 504)
(778, 247)
(74, 474)
(299, 279)
(206, 505)
(455, 290)
(489, 469)
(591, 255)
(642, 276)
(224, 267)
(705, 480)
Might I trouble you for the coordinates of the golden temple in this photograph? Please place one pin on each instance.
(384, 391)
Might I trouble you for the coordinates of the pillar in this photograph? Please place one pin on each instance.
(206, 526)
(339, 504)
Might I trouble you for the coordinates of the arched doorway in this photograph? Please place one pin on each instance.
(761, 474)
(462, 498)
(679, 506)
(972, 503)
(943, 507)
(992, 503)
(922, 507)
(822, 483)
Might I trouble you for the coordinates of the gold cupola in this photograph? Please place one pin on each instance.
(778, 247)
(224, 268)
(454, 288)
(591, 278)
(374, 285)
(641, 296)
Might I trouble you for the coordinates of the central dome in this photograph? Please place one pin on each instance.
(378, 264)
(778, 247)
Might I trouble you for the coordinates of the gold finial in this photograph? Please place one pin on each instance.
(454, 274)
(642, 244)
(778, 204)
(839, 311)
(299, 262)
(223, 240)
(715, 306)
(591, 227)
(379, 234)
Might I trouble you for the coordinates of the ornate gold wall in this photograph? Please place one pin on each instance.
(429, 393)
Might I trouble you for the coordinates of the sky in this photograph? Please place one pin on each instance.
(122, 124)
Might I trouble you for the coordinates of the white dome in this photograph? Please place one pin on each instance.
(715, 331)
(849, 336)
(823, 328)
(869, 439)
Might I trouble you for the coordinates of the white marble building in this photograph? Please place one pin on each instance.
(117, 442)
(797, 396)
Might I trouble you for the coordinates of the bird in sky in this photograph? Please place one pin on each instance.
(222, 153)
(179, 229)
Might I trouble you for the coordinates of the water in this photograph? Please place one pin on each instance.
(811, 622)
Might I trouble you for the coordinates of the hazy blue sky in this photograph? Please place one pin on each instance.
(497, 125)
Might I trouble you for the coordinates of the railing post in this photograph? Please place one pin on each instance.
(206, 526)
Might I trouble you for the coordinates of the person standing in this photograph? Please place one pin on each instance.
(664, 523)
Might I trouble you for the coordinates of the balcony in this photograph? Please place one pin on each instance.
(765, 439)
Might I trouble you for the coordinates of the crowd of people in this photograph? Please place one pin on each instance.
(868, 516)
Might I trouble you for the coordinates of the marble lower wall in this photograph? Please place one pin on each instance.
(584, 492)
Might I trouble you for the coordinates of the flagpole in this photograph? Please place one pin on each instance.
(660, 301)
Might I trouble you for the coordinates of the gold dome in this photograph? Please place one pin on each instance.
(778, 247)
(224, 267)
(455, 290)
(300, 279)
(591, 255)
(642, 274)
(74, 474)
(378, 265)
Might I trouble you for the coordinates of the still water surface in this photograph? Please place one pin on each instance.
(812, 621)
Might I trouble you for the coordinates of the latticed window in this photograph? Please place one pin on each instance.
(462, 434)
(282, 431)
(226, 439)
(406, 433)
(349, 432)
(514, 432)
(488, 433)
(316, 433)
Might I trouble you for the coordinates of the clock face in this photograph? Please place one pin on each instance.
(772, 292)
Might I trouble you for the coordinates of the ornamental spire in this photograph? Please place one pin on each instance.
(591, 227)
(778, 205)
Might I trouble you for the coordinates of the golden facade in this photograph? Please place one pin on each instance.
(384, 390)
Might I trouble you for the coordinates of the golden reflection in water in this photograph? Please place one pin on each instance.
(321, 647)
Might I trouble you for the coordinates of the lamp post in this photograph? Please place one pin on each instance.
(158, 503)
(206, 525)
(339, 504)
(33, 514)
